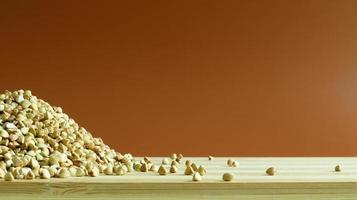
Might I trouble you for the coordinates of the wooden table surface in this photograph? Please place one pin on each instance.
(296, 178)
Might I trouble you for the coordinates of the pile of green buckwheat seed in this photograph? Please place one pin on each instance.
(38, 140)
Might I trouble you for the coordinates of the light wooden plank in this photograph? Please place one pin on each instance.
(297, 178)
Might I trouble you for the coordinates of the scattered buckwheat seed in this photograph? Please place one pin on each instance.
(173, 169)
(162, 170)
(196, 177)
(338, 168)
(228, 177)
(189, 170)
(271, 171)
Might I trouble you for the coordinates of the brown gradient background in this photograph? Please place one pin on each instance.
(245, 78)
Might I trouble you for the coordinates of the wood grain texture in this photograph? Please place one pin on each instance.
(297, 178)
